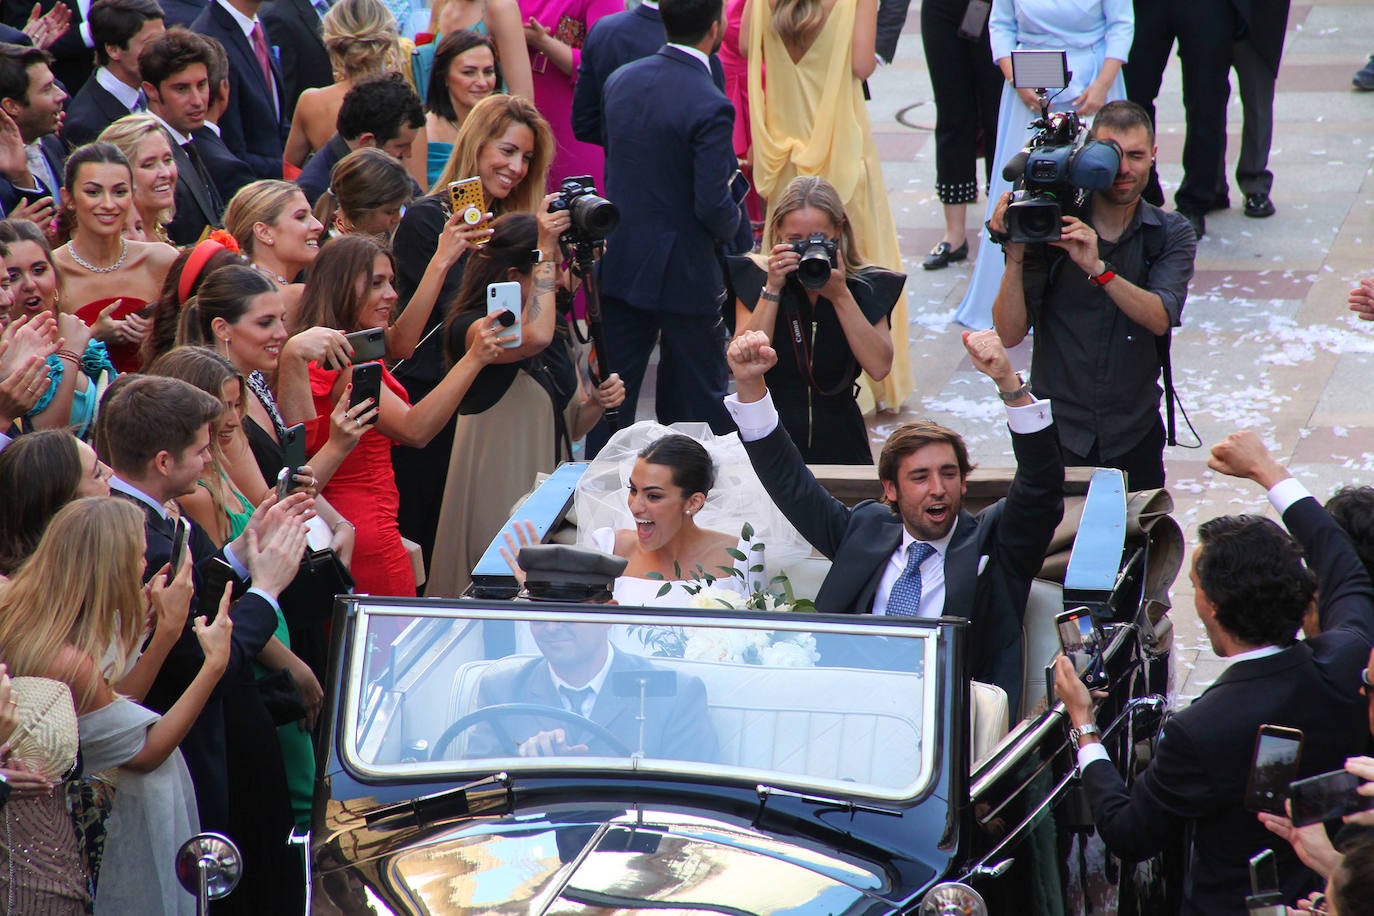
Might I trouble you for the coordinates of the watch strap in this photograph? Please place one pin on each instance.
(1107, 275)
(1010, 396)
(1077, 734)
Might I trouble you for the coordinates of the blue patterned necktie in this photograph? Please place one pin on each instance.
(905, 598)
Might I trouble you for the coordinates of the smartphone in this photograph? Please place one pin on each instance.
(283, 483)
(367, 383)
(1081, 639)
(179, 538)
(505, 297)
(214, 577)
(1273, 766)
(1265, 898)
(368, 345)
(469, 199)
(975, 20)
(1326, 797)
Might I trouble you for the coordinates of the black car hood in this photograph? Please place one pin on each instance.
(648, 861)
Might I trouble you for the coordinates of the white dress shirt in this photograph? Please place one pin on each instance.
(125, 94)
(595, 685)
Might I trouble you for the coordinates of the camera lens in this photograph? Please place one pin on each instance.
(595, 217)
(814, 270)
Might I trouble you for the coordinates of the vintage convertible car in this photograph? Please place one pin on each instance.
(736, 761)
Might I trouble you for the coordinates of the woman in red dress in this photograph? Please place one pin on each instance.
(350, 289)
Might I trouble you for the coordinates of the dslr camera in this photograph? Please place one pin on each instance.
(818, 257)
(1060, 165)
(593, 217)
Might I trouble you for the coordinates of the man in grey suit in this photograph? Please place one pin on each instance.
(578, 673)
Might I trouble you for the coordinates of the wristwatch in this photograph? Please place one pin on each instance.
(1076, 735)
(1010, 396)
(1108, 275)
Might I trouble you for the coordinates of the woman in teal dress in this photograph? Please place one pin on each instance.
(220, 507)
(464, 72)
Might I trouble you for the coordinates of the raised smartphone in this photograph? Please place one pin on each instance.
(179, 538)
(1081, 639)
(468, 198)
(505, 297)
(1278, 751)
(368, 345)
(367, 383)
(1326, 797)
(214, 577)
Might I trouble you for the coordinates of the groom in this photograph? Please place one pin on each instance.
(917, 553)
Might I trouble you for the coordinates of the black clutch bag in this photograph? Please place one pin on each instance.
(309, 599)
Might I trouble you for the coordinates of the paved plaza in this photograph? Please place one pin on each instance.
(1267, 341)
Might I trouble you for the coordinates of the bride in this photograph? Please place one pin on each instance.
(657, 496)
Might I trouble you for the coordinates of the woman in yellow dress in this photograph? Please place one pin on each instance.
(812, 121)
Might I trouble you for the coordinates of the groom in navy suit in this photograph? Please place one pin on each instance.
(669, 165)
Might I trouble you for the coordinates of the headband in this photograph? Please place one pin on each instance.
(217, 241)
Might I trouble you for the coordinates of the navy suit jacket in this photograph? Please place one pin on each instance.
(1198, 775)
(1012, 533)
(293, 27)
(676, 727)
(56, 154)
(669, 161)
(181, 12)
(251, 127)
(89, 112)
(255, 620)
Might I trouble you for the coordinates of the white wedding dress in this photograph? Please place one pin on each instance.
(632, 591)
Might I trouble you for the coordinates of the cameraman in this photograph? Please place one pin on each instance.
(1102, 301)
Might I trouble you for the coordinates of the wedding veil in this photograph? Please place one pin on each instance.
(738, 496)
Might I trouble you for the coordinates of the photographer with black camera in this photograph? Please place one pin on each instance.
(827, 314)
(670, 165)
(1102, 299)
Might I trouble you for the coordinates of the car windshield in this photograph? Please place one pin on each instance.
(797, 701)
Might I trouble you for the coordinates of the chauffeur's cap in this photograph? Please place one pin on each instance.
(562, 572)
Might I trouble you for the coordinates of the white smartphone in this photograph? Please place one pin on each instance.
(503, 298)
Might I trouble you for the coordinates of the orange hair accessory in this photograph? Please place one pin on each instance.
(218, 240)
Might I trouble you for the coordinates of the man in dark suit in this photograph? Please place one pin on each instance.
(254, 125)
(175, 69)
(31, 98)
(121, 29)
(1204, 30)
(293, 27)
(1251, 591)
(613, 41)
(156, 432)
(918, 553)
(577, 673)
(72, 59)
(669, 165)
(1256, 56)
(382, 112)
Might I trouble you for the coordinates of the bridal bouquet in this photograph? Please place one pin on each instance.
(771, 648)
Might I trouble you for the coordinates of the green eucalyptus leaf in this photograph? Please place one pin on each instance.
(736, 553)
(747, 532)
(654, 575)
(665, 589)
(757, 567)
(758, 546)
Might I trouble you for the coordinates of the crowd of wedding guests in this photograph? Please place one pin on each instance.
(248, 349)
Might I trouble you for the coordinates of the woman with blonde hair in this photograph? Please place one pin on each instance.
(144, 143)
(505, 142)
(277, 232)
(813, 121)
(362, 40)
(826, 326)
(81, 630)
(367, 190)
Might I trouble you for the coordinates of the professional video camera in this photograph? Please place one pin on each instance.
(818, 258)
(593, 217)
(1060, 165)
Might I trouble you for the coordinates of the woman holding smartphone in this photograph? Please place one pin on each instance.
(507, 145)
(350, 289)
(529, 394)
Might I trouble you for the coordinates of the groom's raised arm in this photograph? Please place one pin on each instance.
(820, 517)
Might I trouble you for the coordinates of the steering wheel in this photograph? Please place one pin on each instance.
(492, 715)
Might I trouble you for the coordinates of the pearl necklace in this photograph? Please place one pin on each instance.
(123, 252)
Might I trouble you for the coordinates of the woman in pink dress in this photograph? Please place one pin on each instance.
(736, 67)
(554, 32)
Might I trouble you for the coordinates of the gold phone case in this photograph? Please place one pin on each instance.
(468, 199)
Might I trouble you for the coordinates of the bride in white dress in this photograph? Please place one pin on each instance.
(675, 502)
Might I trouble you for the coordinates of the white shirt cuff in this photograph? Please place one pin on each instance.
(4, 441)
(1286, 492)
(1090, 752)
(755, 419)
(1029, 418)
(266, 597)
(239, 569)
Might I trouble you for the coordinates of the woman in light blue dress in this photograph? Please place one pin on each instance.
(1097, 35)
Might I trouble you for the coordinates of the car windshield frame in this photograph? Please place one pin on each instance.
(363, 697)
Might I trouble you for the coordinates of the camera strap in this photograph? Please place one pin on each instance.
(801, 349)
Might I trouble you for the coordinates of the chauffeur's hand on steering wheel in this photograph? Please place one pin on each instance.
(551, 743)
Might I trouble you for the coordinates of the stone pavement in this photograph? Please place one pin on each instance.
(1266, 342)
